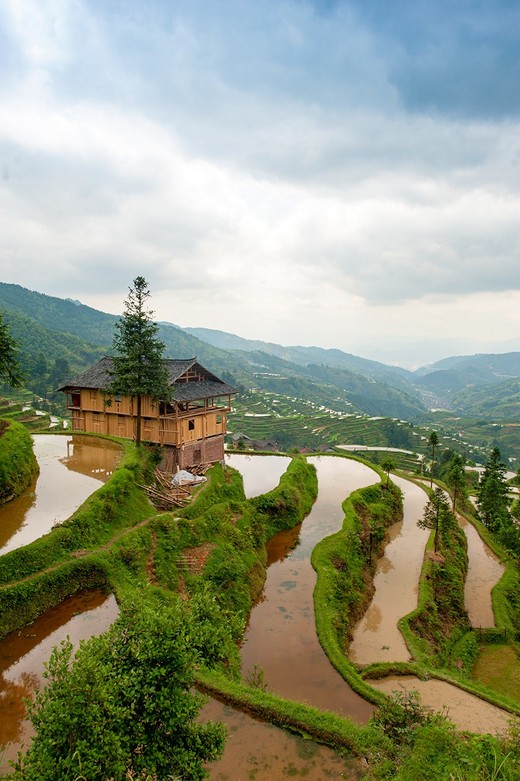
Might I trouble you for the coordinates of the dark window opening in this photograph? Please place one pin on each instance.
(191, 424)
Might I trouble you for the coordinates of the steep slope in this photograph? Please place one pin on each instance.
(328, 385)
(303, 356)
(42, 322)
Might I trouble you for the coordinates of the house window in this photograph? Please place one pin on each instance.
(117, 398)
(191, 424)
(219, 418)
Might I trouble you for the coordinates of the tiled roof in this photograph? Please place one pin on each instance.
(98, 377)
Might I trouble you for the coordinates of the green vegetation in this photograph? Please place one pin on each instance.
(41, 574)
(440, 618)
(427, 746)
(437, 517)
(232, 532)
(345, 564)
(498, 667)
(213, 553)
(18, 465)
(139, 367)
(10, 371)
(124, 708)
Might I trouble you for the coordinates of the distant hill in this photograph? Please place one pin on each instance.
(490, 402)
(499, 365)
(74, 336)
(326, 384)
(303, 356)
(452, 375)
(80, 334)
(42, 322)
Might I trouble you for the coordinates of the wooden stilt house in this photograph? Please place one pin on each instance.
(190, 426)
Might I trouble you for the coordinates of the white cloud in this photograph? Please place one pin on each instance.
(259, 170)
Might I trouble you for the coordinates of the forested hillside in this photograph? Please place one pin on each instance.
(76, 335)
(59, 338)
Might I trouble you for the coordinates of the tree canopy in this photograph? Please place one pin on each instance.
(10, 371)
(437, 515)
(123, 707)
(139, 366)
(492, 502)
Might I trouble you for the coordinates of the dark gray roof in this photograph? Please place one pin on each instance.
(98, 377)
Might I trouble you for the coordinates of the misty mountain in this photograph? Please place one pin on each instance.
(499, 366)
(66, 329)
(446, 379)
(305, 356)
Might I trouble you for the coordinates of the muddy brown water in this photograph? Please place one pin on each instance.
(281, 636)
(256, 751)
(376, 636)
(71, 468)
(465, 710)
(484, 572)
(24, 653)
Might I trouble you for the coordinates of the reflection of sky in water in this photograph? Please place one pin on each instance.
(281, 635)
(70, 471)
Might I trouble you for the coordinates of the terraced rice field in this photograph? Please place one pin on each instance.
(296, 423)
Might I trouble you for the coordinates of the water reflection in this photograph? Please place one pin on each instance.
(376, 636)
(70, 471)
(259, 751)
(281, 635)
(260, 474)
(24, 652)
(484, 571)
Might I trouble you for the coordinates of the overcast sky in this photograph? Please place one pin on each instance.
(337, 173)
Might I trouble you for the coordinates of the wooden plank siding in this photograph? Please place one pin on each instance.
(191, 426)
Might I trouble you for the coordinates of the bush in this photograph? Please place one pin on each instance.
(18, 464)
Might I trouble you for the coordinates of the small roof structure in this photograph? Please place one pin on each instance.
(98, 377)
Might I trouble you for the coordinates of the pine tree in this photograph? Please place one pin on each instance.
(139, 368)
(492, 502)
(456, 479)
(433, 441)
(437, 515)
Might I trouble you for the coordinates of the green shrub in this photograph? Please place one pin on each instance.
(18, 464)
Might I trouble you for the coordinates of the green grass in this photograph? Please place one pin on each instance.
(18, 465)
(498, 667)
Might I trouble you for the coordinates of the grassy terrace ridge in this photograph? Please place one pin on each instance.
(18, 465)
(216, 547)
(345, 563)
(453, 658)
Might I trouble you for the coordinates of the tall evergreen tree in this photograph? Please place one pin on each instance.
(433, 441)
(492, 501)
(437, 516)
(456, 479)
(10, 371)
(139, 366)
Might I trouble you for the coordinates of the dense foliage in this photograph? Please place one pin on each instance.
(122, 706)
(10, 371)
(18, 466)
(139, 365)
(494, 506)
